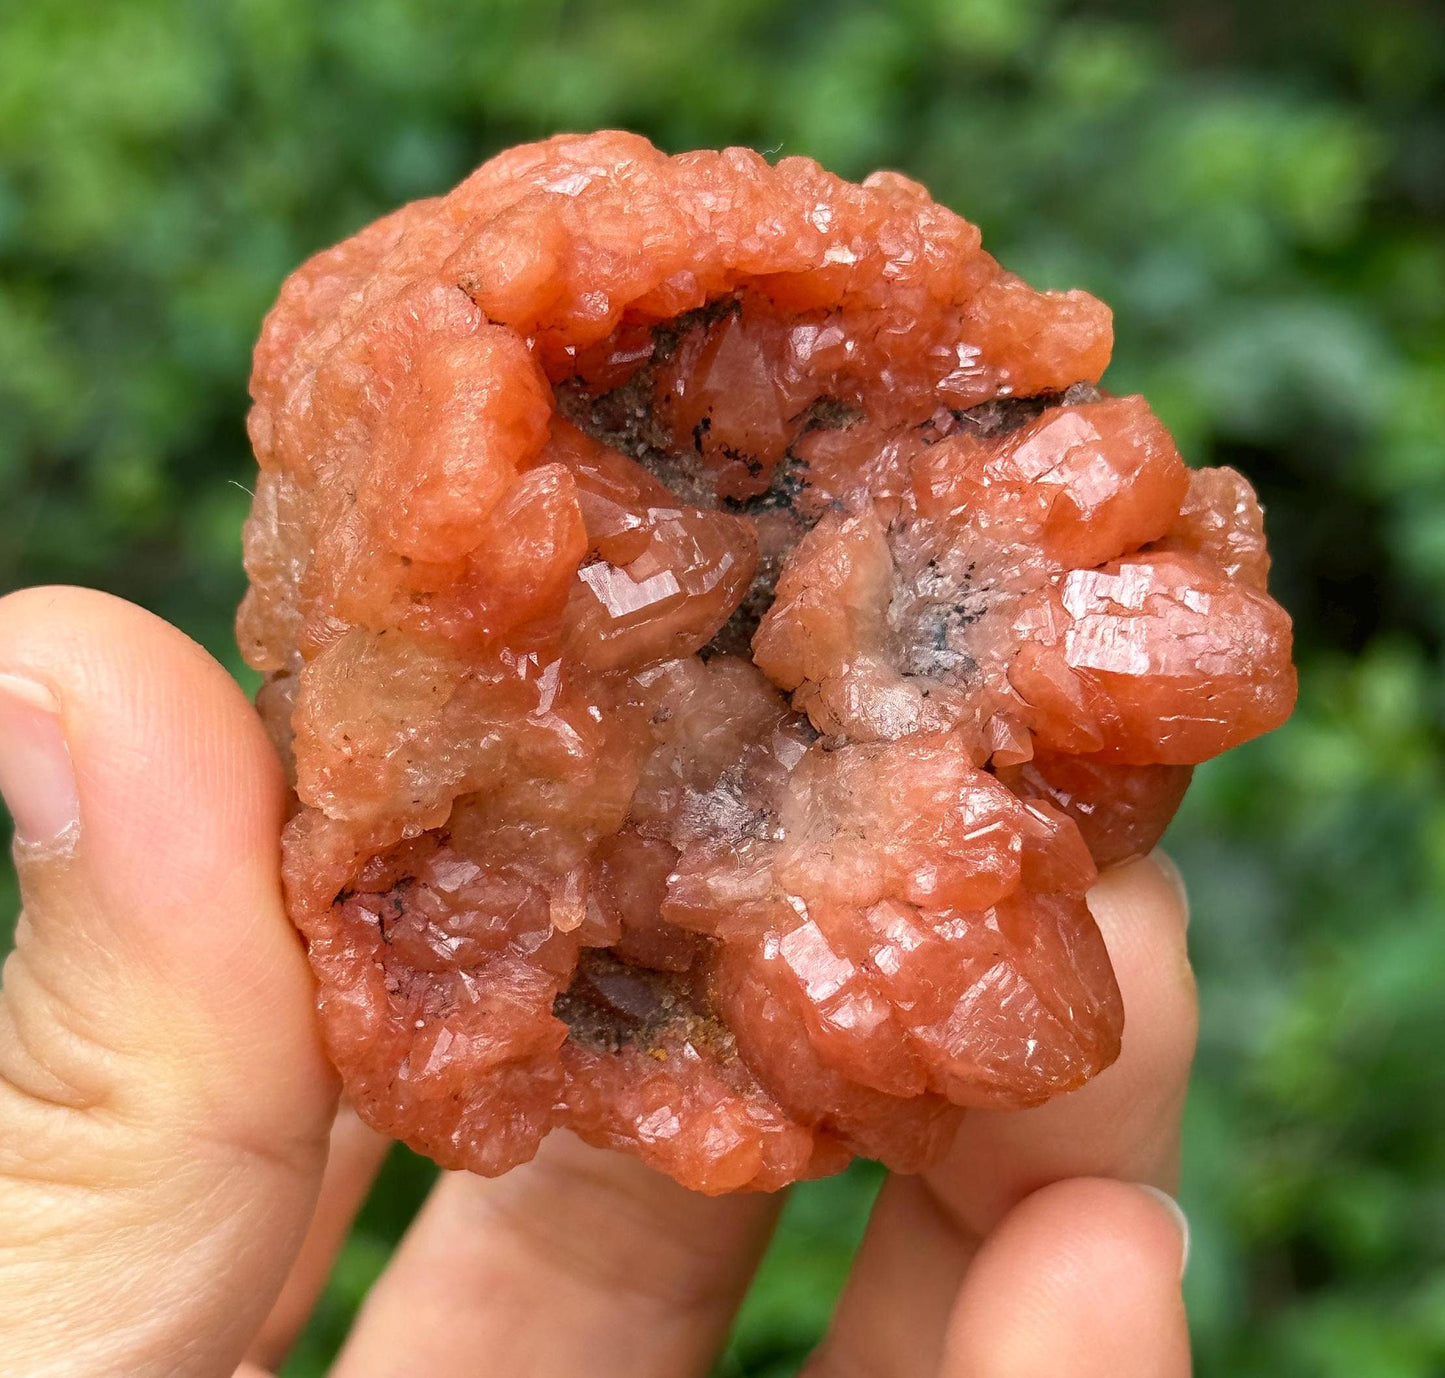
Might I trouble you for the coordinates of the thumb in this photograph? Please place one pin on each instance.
(164, 1102)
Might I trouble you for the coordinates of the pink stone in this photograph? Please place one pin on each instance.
(716, 626)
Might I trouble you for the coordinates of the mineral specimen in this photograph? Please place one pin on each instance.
(717, 625)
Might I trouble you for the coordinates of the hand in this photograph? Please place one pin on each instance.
(174, 1180)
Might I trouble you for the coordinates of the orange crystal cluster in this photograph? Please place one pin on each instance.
(717, 627)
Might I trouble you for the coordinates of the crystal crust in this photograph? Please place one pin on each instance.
(717, 626)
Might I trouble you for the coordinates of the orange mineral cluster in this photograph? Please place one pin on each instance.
(717, 625)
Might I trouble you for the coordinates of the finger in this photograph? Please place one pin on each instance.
(164, 1101)
(924, 1232)
(1124, 1123)
(892, 1314)
(355, 1157)
(1081, 1278)
(581, 1261)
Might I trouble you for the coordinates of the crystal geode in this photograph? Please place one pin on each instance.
(718, 625)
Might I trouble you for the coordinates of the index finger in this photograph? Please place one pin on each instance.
(925, 1231)
(1124, 1123)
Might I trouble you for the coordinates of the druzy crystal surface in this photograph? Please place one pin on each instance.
(717, 626)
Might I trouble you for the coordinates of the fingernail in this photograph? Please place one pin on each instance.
(1180, 1219)
(37, 778)
(1169, 868)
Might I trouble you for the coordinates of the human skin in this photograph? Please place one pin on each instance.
(175, 1177)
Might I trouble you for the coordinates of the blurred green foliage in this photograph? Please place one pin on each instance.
(1257, 188)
